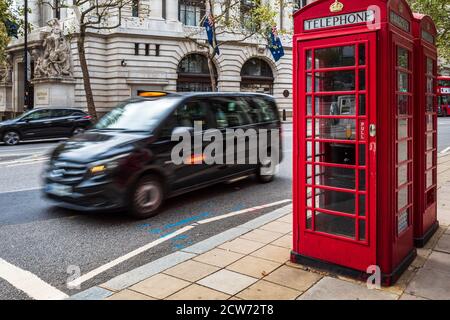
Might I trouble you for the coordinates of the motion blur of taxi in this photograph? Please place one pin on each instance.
(125, 160)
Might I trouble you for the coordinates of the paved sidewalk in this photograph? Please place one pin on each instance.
(252, 262)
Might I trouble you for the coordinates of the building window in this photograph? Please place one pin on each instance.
(193, 74)
(135, 8)
(257, 76)
(164, 9)
(301, 3)
(57, 9)
(191, 12)
(136, 49)
(157, 47)
(147, 49)
(246, 14)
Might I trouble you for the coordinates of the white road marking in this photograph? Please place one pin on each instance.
(43, 148)
(27, 163)
(29, 283)
(235, 213)
(21, 190)
(109, 265)
(445, 150)
(24, 161)
(23, 154)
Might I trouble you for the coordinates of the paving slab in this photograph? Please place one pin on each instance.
(262, 236)
(277, 226)
(443, 244)
(264, 290)
(284, 241)
(191, 270)
(197, 292)
(335, 289)
(430, 284)
(227, 281)
(219, 257)
(160, 286)
(273, 253)
(129, 295)
(254, 267)
(444, 216)
(293, 278)
(241, 245)
(435, 238)
(407, 296)
(438, 261)
(287, 218)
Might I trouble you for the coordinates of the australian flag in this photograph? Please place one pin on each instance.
(275, 45)
(208, 23)
(11, 28)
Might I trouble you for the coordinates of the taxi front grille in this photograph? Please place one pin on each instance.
(67, 172)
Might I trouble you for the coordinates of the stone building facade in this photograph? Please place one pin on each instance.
(149, 51)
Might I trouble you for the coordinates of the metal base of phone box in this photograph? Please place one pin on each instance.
(386, 279)
(421, 242)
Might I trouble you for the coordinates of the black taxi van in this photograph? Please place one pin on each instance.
(126, 160)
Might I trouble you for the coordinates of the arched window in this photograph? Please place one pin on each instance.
(193, 74)
(257, 76)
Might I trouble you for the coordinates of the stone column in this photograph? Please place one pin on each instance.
(156, 9)
(172, 10)
(34, 17)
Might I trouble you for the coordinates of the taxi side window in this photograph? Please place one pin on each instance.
(262, 110)
(190, 112)
(184, 116)
(230, 112)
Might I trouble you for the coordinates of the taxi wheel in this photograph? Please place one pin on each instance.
(266, 172)
(11, 138)
(146, 197)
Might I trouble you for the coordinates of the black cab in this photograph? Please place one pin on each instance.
(129, 158)
(44, 124)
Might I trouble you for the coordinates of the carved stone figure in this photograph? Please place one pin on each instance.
(55, 61)
(5, 70)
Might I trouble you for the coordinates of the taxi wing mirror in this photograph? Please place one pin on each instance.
(180, 131)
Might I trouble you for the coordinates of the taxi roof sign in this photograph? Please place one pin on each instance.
(152, 94)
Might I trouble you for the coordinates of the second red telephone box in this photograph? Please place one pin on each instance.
(425, 130)
(353, 137)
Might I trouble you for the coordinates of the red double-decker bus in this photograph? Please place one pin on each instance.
(443, 95)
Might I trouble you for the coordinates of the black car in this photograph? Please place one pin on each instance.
(127, 159)
(44, 124)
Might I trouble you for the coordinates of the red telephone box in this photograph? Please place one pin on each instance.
(353, 137)
(425, 130)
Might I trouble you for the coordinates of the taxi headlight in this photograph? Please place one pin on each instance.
(103, 166)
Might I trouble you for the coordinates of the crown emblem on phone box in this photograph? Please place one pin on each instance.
(336, 6)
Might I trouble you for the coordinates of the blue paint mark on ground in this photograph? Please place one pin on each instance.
(163, 229)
